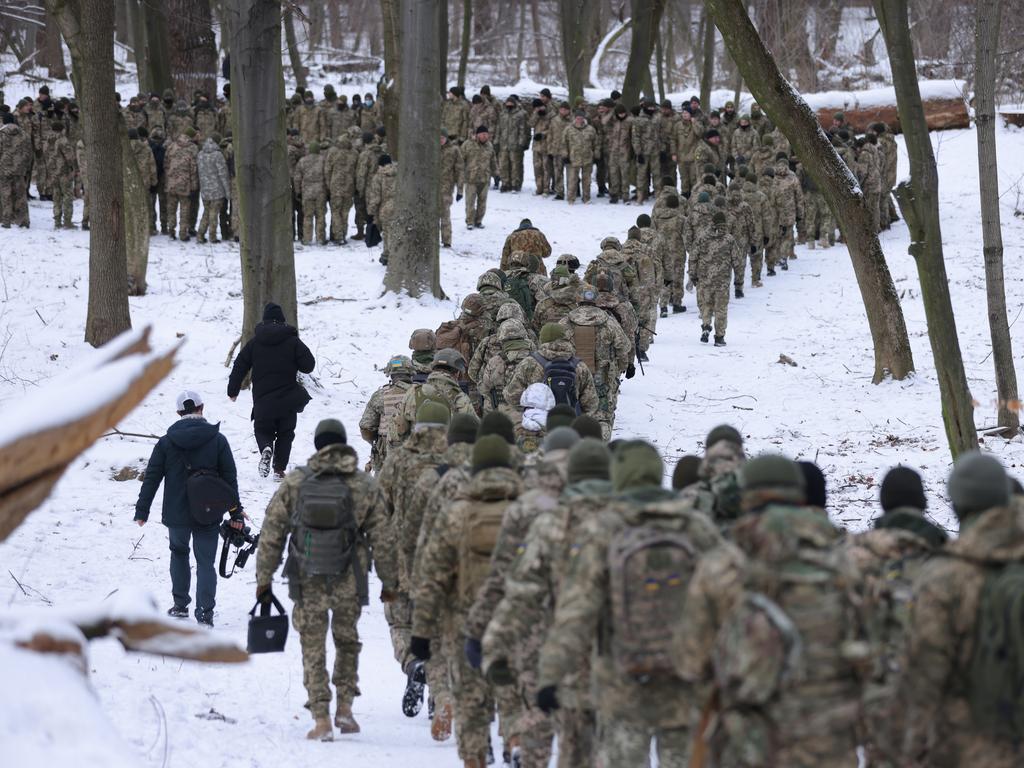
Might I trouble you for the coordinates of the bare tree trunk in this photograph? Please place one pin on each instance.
(316, 25)
(989, 13)
(442, 39)
(788, 111)
(334, 19)
(122, 29)
(670, 54)
(828, 15)
(261, 159)
(294, 57)
(157, 54)
(646, 18)
(414, 263)
(136, 222)
(542, 63)
(391, 15)
(521, 38)
(88, 28)
(919, 202)
(574, 21)
(53, 52)
(193, 48)
(707, 71)
(467, 31)
(659, 64)
(137, 18)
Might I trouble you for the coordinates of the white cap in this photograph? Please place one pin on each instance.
(189, 394)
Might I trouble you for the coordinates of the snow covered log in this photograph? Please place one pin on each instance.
(944, 106)
(55, 423)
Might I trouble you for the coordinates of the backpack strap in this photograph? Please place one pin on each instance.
(543, 361)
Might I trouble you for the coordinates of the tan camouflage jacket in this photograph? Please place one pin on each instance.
(438, 386)
(479, 162)
(611, 347)
(431, 494)
(529, 371)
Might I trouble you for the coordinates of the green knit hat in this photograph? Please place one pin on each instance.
(329, 432)
(551, 332)
(190, 132)
(561, 415)
(978, 482)
(560, 439)
(497, 423)
(433, 413)
(314, 147)
(636, 463)
(723, 432)
(491, 451)
(771, 470)
(686, 473)
(589, 459)
(462, 428)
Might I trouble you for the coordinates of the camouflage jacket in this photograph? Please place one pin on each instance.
(378, 418)
(495, 375)
(513, 133)
(711, 258)
(455, 117)
(437, 584)
(15, 151)
(622, 271)
(206, 123)
(144, 161)
(178, 121)
(745, 142)
(451, 168)
(531, 241)
(540, 125)
(431, 494)
(439, 386)
(764, 214)
(583, 617)
(788, 199)
(580, 145)
(366, 167)
(341, 169)
(479, 162)
(611, 345)
(554, 308)
(708, 154)
(529, 371)
(624, 314)
(156, 117)
(742, 227)
(668, 223)
(889, 152)
(181, 171)
(134, 118)
(367, 505)
(380, 198)
(60, 159)
(214, 183)
(310, 178)
(869, 168)
(644, 138)
(556, 130)
(310, 123)
(620, 138)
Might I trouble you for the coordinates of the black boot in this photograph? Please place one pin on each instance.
(677, 308)
(771, 272)
(785, 267)
(705, 333)
(416, 681)
(664, 311)
(719, 341)
(613, 199)
(642, 357)
(739, 292)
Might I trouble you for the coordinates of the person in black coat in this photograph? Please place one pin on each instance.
(275, 355)
(195, 442)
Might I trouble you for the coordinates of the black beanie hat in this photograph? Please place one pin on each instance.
(272, 313)
(329, 432)
(814, 479)
(462, 428)
(686, 473)
(561, 415)
(902, 487)
(490, 451)
(497, 423)
(587, 426)
(643, 221)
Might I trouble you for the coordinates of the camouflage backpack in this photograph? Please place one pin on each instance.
(996, 672)
(649, 570)
(483, 522)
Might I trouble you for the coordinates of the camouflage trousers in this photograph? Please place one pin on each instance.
(576, 737)
(780, 250)
(510, 167)
(314, 216)
(648, 316)
(686, 176)
(739, 265)
(316, 597)
(713, 301)
(619, 176)
(341, 205)
(622, 745)
(158, 208)
(474, 709)
(579, 176)
(13, 201)
(399, 617)
(63, 201)
(476, 202)
(643, 179)
(601, 172)
(439, 672)
(360, 205)
(446, 218)
(179, 210)
(543, 174)
(558, 167)
(756, 264)
(43, 181)
(818, 220)
(211, 219)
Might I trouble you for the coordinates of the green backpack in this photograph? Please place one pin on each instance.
(996, 671)
(519, 289)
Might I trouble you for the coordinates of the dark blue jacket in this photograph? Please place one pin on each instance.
(205, 447)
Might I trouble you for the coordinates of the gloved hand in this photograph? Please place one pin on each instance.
(630, 371)
(474, 652)
(458, 196)
(753, 250)
(641, 160)
(565, 161)
(538, 137)
(500, 674)
(388, 595)
(551, 157)
(264, 594)
(369, 219)
(782, 230)
(547, 699)
(766, 240)
(690, 285)
(420, 648)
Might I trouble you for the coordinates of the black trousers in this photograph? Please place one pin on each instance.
(278, 434)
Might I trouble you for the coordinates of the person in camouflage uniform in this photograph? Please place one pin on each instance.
(619, 142)
(528, 239)
(684, 139)
(316, 596)
(711, 265)
(715, 490)
(511, 141)
(765, 184)
(480, 165)
(610, 301)
(452, 183)
(890, 556)
(451, 568)
(888, 152)
(380, 200)
(491, 287)
(522, 618)
(145, 163)
(421, 451)
(554, 346)
(789, 208)
(806, 716)
(562, 298)
(182, 179)
(310, 184)
(454, 114)
(745, 139)
(179, 120)
(15, 164)
(490, 346)
(668, 221)
(632, 712)
(378, 416)
(156, 113)
(135, 114)
(484, 111)
(636, 249)
(818, 221)
(644, 140)
(308, 119)
(744, 232)
(158, 196)
(611, 259)
(580, 153)
(560, 123)
(440, 386)
(423, 345)
(296, 151)
(340, 168)
(543, 170)
(214, 187)
(947, 721)
(515, 346)
(764, 156)
(60, 160)
(869, 174)
(204, 117)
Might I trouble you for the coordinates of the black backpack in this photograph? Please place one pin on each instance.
(560, 376)
(210, 496)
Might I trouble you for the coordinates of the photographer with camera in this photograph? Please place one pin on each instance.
(333, 518)
(193, 449)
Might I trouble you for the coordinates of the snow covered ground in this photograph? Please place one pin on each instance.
(82, 545)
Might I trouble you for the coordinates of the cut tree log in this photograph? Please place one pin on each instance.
(1013, 118)
(944, 107)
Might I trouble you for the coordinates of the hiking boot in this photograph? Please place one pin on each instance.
(416, 681)
(201, 239)
(205, 617)
(810, 245)
(771, 272)
(265, 458)
(358, 236)
(614, 199)
(642, 357)
(479, 225)
(441, 725)
(785, 267)
(719, 341)
(344, 721)
(664, 311)
(85, 227)
(757, 284)
(559, 197)
(446, 245)
(705, 332)
(739, 292)
(178, 612)
(322, 730)
(279, 474)
(677, 309)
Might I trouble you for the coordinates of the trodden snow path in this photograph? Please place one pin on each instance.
(81, 545)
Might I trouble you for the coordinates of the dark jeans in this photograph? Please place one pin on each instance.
(204, 542)
(278, 434)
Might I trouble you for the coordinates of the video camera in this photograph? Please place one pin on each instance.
(242, 539)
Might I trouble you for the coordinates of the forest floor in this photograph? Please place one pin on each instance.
(82, 545)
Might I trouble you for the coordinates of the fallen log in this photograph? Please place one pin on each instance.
(944, 107)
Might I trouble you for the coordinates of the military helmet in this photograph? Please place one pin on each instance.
(511, 330)
(587, 295)
(490, 279)
(551, 332)
(569, 261)
(611, 244)
(604, 281)
(423, 340)
(510, 310)
(449, 358)
(473, 305)
(399, 365)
